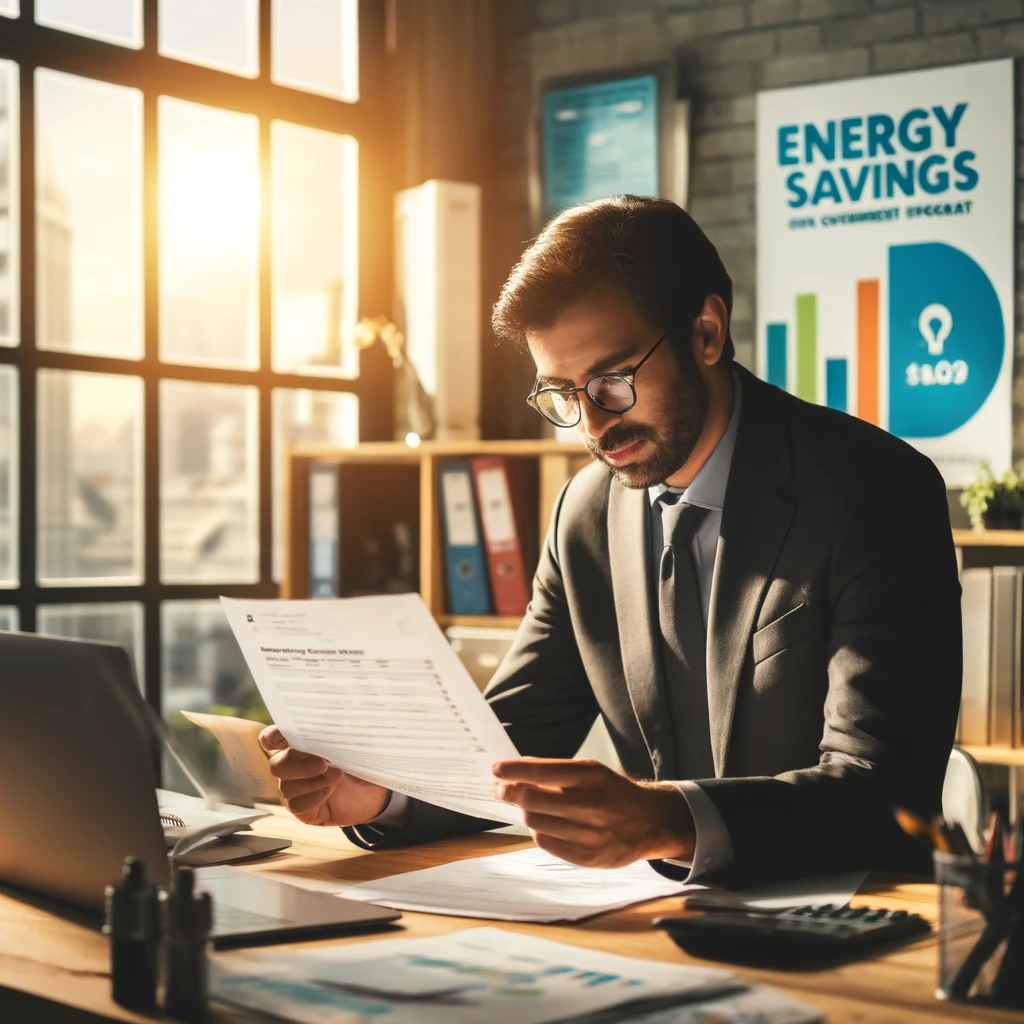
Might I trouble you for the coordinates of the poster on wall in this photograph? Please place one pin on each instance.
(600, 139)
(885, 241)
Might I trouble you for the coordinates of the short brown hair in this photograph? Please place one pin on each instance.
(650, 247)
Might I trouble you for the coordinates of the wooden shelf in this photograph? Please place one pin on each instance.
(1013, 756)
(481, 621)
(989, 538)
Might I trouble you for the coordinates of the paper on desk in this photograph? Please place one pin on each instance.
(238, 738)
(481, 974)
(527, 885)
(371, 684)
(202, 823)
(799, 892)
(756, 1005)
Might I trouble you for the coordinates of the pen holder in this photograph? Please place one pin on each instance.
(981, 931)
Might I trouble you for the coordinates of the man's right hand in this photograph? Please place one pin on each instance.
(316, 792)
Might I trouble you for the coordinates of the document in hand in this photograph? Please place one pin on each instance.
(527, 885)
(238, 739)
(482, 974)
(371, 684)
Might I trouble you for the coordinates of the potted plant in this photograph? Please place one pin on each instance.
(995, 503)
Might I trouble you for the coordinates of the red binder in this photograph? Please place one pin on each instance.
(497, 519)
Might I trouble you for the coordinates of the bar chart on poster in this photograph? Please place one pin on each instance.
(837, 368)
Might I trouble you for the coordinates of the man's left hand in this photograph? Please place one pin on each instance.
(587, 814)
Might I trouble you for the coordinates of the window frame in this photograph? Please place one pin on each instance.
(31, 46)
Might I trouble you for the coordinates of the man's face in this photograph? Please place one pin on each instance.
(600, 333)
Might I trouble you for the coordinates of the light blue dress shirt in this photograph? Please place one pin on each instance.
(713, 846)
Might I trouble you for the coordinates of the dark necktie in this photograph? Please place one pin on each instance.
(684, 658)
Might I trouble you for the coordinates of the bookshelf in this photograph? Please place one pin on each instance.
(988, 538)
(381, 483)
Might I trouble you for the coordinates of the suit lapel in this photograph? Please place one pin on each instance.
(755, 521)
(628, 518)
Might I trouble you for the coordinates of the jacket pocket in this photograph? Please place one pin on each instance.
(782, 632)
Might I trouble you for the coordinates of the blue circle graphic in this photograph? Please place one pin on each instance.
(946, 339)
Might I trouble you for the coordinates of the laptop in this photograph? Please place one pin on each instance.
(78, 795)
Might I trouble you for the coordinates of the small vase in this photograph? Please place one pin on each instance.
(1002, 519)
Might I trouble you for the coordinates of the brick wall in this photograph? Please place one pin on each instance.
(727, 51)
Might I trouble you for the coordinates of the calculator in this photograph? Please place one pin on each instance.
(802, 937)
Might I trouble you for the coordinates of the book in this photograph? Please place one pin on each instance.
(1004, 647)
(468, 592)
(977, 628)
(504, 552)
(323, 531)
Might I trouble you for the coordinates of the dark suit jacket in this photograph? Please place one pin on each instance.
(834, 643)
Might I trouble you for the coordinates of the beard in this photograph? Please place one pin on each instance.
(673, 440)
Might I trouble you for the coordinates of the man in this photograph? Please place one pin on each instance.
(759, 596)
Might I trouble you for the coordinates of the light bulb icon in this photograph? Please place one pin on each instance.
(935, 336)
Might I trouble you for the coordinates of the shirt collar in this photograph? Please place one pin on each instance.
(708, 487)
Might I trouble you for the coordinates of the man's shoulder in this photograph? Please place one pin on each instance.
(831, 445)
(586, 494)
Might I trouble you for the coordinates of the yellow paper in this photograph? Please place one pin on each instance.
(238, 739)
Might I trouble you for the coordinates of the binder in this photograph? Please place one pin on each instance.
(323, 531)
(504, 552)
(463, 550)
(1004, 644)
(977, 628)
(1018, 666)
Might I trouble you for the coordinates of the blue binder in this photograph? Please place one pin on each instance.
(465, 564)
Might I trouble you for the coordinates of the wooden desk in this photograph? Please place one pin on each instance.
(43, 956)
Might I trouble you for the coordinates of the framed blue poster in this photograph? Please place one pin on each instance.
(600, 139)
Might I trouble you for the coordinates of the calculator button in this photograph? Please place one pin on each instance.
(875, 915)
(823, 911)
(897, 915)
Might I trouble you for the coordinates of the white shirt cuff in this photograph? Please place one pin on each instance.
(713, 848)
(393, 814)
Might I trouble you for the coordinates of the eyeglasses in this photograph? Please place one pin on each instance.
(610, 392)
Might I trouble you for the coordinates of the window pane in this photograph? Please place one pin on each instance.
(117, 622)
(8, 476)
(315, 231)
(209, 235)
(113, 21)
(90, 477)
(222, 35)
(315, 46)
(88, 216)
(9, 8)
(307, 417)
(9, 617)
(203, 670)
(209, 521)
(9, 282)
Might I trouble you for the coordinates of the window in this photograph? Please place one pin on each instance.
(179, 287)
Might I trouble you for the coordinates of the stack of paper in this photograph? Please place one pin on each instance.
(528, 885)
(483, 974)
(756, 1005)
(798, 892)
